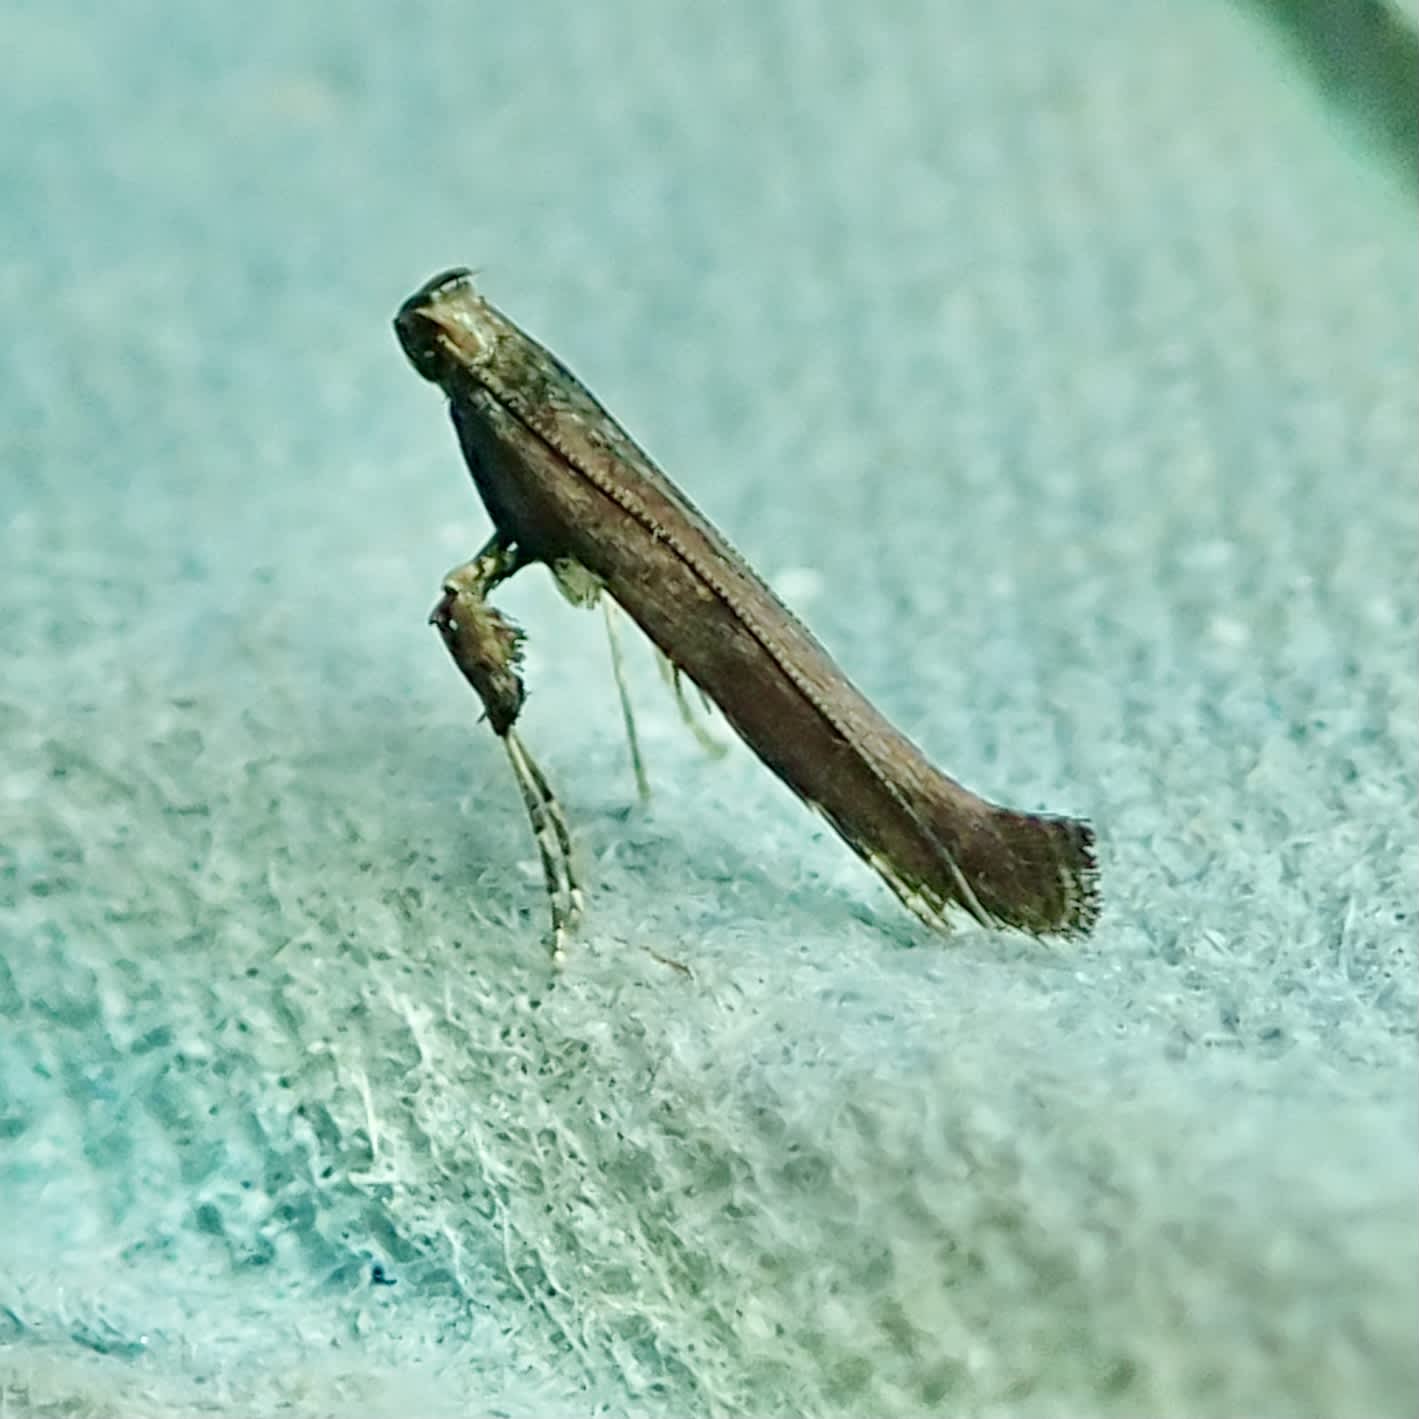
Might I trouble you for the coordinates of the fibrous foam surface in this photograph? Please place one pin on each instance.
(1059, 363)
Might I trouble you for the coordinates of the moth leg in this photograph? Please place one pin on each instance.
(549, 828)
(487, 647)
(670, 673)
(554, 846)
(582, 587)
(552, 814)
(618, 670)
(494, 562)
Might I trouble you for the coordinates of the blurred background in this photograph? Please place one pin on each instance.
(1058, 362)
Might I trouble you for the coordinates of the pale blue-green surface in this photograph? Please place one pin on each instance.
(1060, 362)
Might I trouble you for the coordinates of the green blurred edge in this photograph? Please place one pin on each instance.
(1365, 55)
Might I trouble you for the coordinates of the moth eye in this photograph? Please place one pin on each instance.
(420, 339)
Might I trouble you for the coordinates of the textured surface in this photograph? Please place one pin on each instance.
(1059, 362)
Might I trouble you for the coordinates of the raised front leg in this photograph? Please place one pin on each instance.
(487, 647)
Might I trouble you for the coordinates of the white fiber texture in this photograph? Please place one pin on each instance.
(1059, 362)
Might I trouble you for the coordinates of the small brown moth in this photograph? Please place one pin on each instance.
(565, 485)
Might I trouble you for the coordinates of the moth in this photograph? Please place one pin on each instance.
(566, 486)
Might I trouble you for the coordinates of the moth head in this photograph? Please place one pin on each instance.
(444, 326)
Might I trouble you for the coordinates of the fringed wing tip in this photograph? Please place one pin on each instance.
(1029, 872)
(1037, 873)
(1079, 877)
